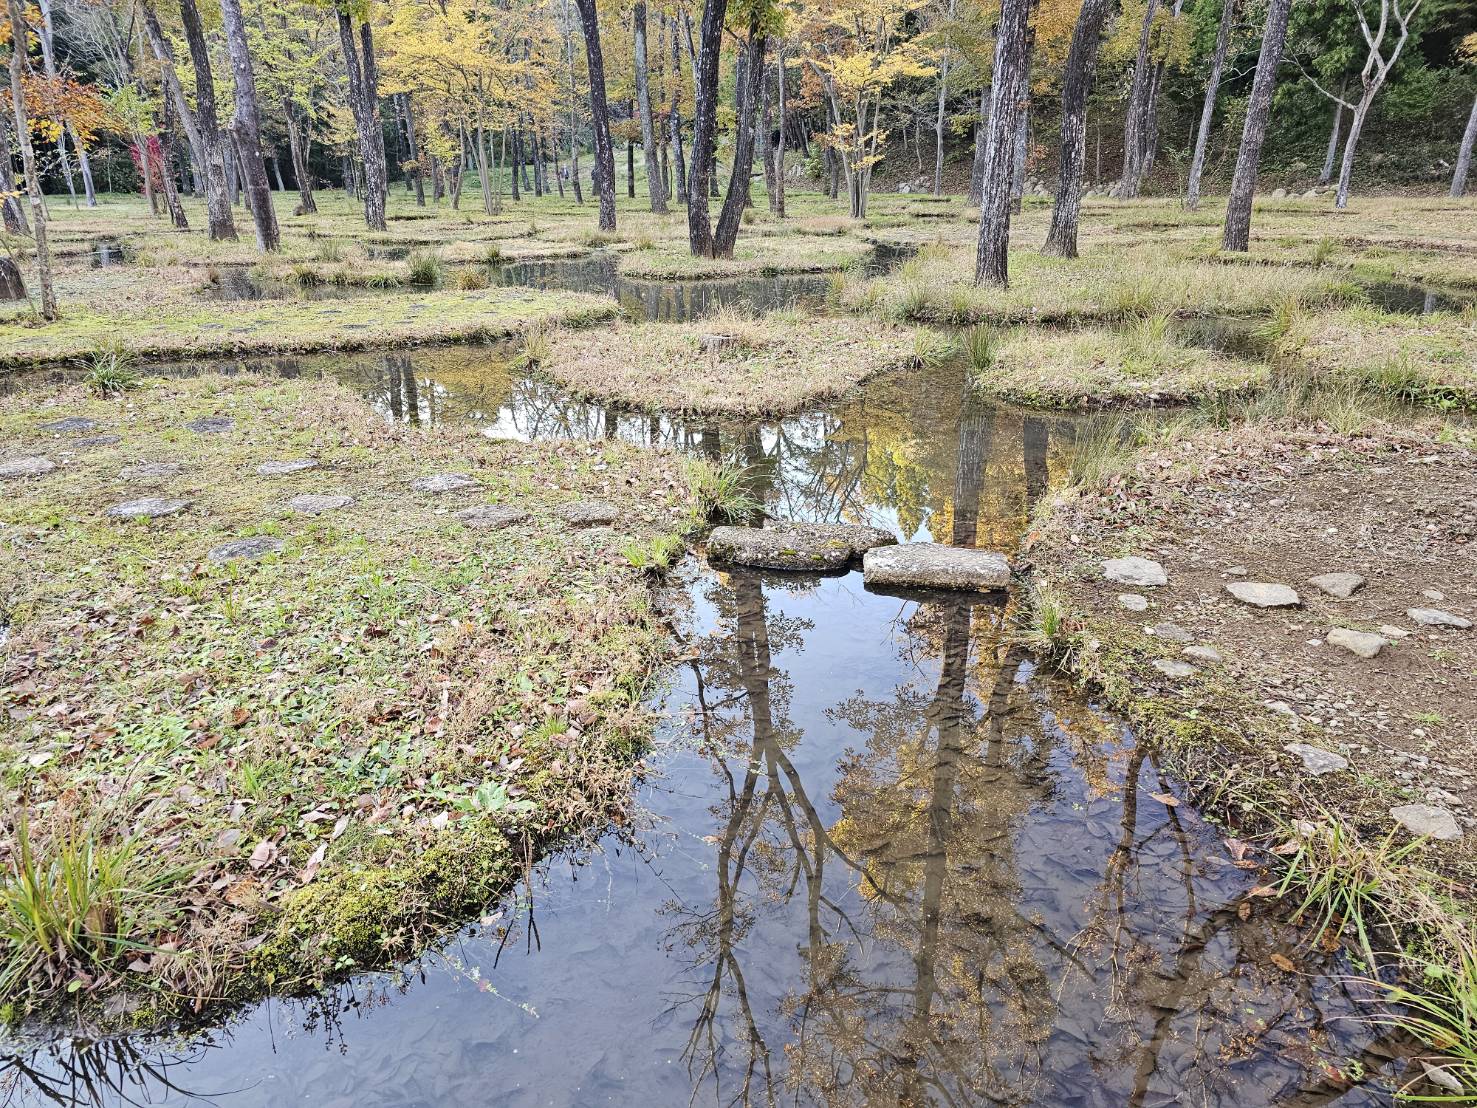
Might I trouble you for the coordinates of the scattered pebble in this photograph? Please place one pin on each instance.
(33, 466)
(1171, 668)
(1171, 632)
(1341, 585)
(1133, 570)
(315, 504)
(1390, 631)
(149, 507)
(1202, 653)
(1133, 601)
(1361, 643)
(1264, 594)
(443, 482)
(1316, 760)
(1433, 594)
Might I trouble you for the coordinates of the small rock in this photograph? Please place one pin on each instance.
(237, 549)
(1433, 594)
(1134, 570)
(315, 504)
(1263, 594)
(150, 507)
(1361, 643)
(33, 466)
(96, 440)
(795, 546)
(1434, 617)
(1202, 653)
(488, 516)
(282, 469)
(443, 482)
(1171, 632)
(931, 566)
(1341, 585)
(72, 425)
(1236, 571)
(1133, 601)
(1170, 668)
(1316, 760)
(588, 513)
(1390, 631)
(1427, 820)
(211, 425)
(150, 471)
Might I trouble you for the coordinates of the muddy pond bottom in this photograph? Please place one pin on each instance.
(875, 855)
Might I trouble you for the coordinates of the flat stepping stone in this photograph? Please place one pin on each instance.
(1202, 653)
(96, 440)
(150, 471)
(1264, 594)
(1171, 632)
(72, 425)
(1362, 643)
(315, 504)
(1435, 617)
(1427, 820)
(486, 517)
(282, 469)
(211, 425)
(443, 482)
(1141, 572)
(1171, 668)
(928, 565)
(237, 549)
(1341, 585)
(795, 546)
(1316, 760)
(149, 507)
(1390, 631)
(34, 466)
(588, 513)
(1133, 601)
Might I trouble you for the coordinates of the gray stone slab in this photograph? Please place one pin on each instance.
(1172, 632)
(150, 471)
(1133, 570)
(1264, 594)
(1362, 643)
(1202, 653)
(588, 513)
(32, 466)
(71, 425)
(92, 441)
(238, 549)
(316, 503)
(927, 565)
(211, 425)
(443, 482)
(491, 516)
(148, 507)
(1434, 617)
(1427, 820)
(1171, 668)
(1133, 601)
(1316, 760)
(283, 468)
(1341, 585)
(795, 546)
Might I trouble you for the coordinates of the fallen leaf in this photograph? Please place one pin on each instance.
(1263, 890)
(310, 871)
(264, 854)
(1282, 962)
(1166, 799)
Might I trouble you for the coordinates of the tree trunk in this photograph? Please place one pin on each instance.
(69, 134)
(1077, 82)
(765, 124)
(599, 114)
(1138, 101)
(479, 139)
(731, 216)
(166, 169)
(1207, 110)
(938, 121)
(631, 157)
(414, 149)
(655, 187)
(28, 160)
(981, 143)
(1372, 79)
(1008, 95)
(14, 214)
(704, 127)
(296, 148)
(1351, 143)
(777, 200)
(212, 141)
(363, 103)
(1464, 155)
(679, 162)
(247, 127)
(1330, 156)
(1022, 136)
(1237, 234)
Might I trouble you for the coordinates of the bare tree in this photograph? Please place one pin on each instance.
(1007, 102)
(48, 59)
(18, 40)
(1207, 110)
(1464, 155)
(1061, 239)
(599, 115)
(1135, 122)
(212, 141)
(364, 104)
(1371, 78)
(1330, 156)
(1237, 233)
(656, 186)
(938, 122)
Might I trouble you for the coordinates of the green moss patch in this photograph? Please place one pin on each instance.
(318, 758)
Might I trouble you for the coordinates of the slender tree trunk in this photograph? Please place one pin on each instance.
(679, 162)
(28, 159)
(247, 128)
(1464, 155)
(1330, 156)
(14, 214)
(704, 127)
(1022, 136)
(1077, 83)
(414, 148)
(1207, 110)
(482, 171)
(729, 219)
(513, 176)
(1138, 101)
(777, 199)
(599, 114)
(166, 169)
(981, 144)
(1237, 234)
(363, 102)
(1351, 143)
(296, 146)
(69, 133)
(212, 141)
(1007, 101)
(655, 188)
(1372, 79)
(938, 121)
(766, 151)
(631, 156)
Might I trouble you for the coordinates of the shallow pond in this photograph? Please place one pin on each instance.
(877, 856)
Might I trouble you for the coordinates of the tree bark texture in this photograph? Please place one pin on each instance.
(655, 186)
(1061, 238)
(1237, 233)
(246, 126)
(599, 115)
(212, 140)
(1007, 101)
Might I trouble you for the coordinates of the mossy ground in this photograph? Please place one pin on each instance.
(731, 363)
(331, 753)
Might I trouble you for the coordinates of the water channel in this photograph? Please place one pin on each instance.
(876, 855)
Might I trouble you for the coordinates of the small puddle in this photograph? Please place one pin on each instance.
(107, 253)
(877, 856)
(237, 282)
(1406, 298)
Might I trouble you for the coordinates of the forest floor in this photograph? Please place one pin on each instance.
(307, 715)
(1325, 378)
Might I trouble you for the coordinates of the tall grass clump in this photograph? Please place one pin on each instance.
(720, 493)
(425, 267)
(111, 371)
(980, 346)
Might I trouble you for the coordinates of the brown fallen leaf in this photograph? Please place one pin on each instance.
(310, 871)
(264, 854)
(1282, 962)
(1166, 799)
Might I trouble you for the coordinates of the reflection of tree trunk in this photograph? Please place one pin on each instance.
(976, 432)
(412, 397)
(1034, 435)
(392, 368)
